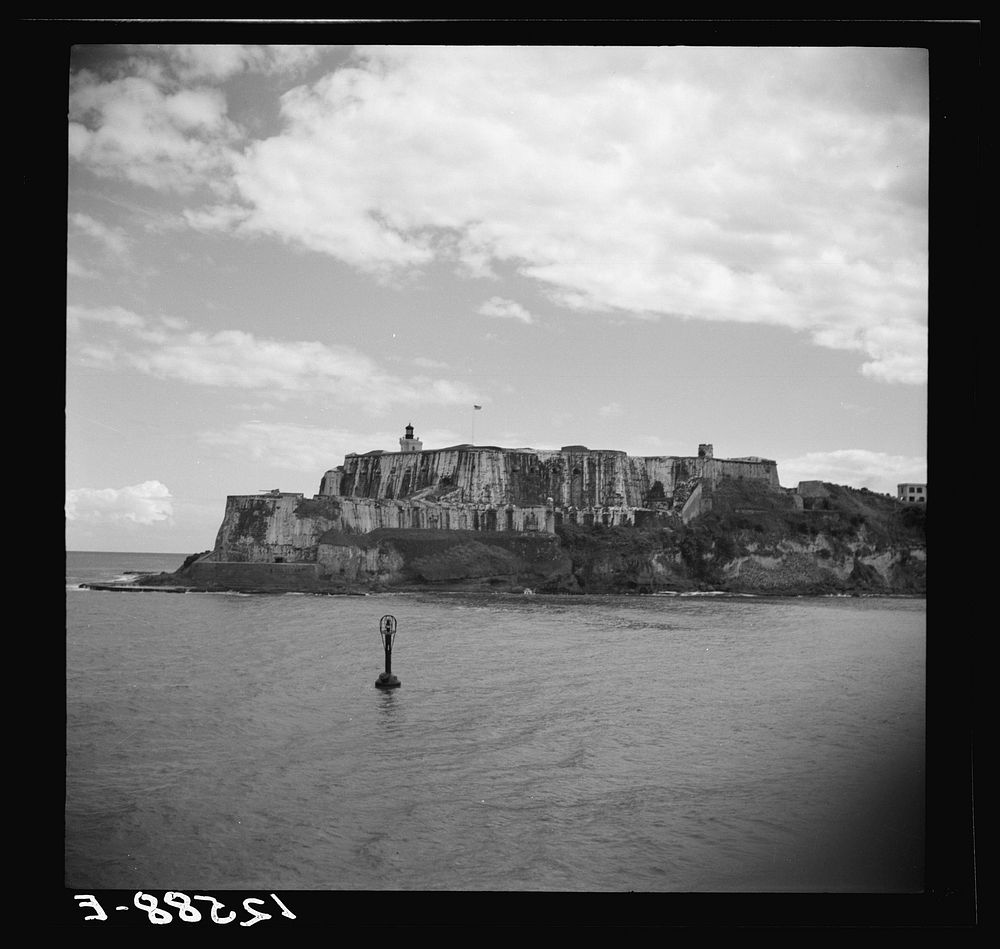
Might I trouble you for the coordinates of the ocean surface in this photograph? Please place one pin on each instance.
(537, 743)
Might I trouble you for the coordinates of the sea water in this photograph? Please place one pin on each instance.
(537, 743)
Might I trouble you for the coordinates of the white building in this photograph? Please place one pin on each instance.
(912, 493)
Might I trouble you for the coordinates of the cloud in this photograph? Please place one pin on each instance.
(289, 447)
(785, 187)
(505, 309)
(74, 268)
(424, 363)
(219, 218)
(235, 359)
(167, 140)
(78, 316)
(859, 468)
(310, 449)
(703, 183)
(611, 410)
(92, 243)
(220, 62)
(146, 503)
(111, 238)
(657, 446)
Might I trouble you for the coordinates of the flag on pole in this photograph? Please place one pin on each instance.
(478, 407)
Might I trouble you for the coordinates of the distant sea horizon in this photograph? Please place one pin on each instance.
(146, 553)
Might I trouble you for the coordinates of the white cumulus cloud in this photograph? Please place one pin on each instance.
(505, 309)
(235, 359)
(779, 186)
(146, 503)
(784, 187)
(131, 128)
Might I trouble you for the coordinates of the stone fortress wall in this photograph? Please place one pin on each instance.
(573, 476)
(476, 489)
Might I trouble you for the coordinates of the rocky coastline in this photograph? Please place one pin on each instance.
(846, 541)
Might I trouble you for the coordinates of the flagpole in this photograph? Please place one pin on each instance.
(475, 409)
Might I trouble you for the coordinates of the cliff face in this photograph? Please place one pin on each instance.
(790, 569)
(526, 477)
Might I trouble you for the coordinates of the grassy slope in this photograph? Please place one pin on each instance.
(748, 518)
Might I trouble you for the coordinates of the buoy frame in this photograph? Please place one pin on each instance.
(387, 681)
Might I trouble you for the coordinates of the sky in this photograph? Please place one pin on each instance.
(277, 255)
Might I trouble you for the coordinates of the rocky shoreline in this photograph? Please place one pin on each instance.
(849, 543)
(665, 594)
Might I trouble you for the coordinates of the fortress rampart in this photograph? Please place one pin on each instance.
(525, 477)
(475, 489)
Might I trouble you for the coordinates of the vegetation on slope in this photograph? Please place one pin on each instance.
(504, 559)
(750, 520)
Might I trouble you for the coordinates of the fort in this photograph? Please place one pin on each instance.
(476, 488)
(573, 520)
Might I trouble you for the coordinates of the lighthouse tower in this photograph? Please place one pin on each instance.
(408, 442)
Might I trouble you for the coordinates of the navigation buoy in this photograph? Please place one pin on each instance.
(387, 633)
